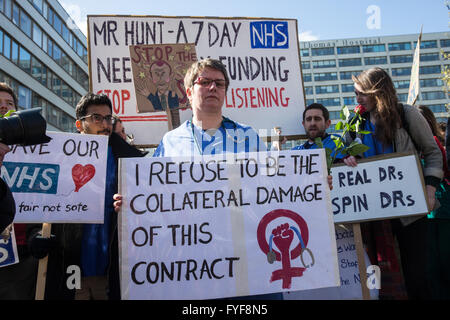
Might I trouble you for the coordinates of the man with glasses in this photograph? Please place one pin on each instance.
(93, 247)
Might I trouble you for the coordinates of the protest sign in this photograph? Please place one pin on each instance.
(261, 56)
(389, 186)
(350, 280)
(62, 181)
(226, 225)
(8, 250)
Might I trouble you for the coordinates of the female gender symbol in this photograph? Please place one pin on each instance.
(284, 236)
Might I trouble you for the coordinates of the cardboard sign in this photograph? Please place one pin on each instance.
(383, 187)
(350, 288)
(261, 56)
(225, 226)
(60, 181)
(8, 250)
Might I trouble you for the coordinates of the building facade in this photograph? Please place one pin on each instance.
(43, 57)
(328, 66)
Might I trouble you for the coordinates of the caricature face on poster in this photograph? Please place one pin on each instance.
(158, 74)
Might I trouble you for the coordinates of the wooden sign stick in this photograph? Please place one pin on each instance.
(42, 269)
(361, 260)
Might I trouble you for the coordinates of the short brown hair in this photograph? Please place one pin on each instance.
(199, 66)
(6, 88)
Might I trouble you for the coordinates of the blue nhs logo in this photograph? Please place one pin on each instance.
(269, 34)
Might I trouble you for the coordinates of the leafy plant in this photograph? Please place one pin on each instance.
(346, 124)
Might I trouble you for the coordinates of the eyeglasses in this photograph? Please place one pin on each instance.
(206, 83)
(98, 118)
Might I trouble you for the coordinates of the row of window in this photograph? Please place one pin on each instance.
(20, 56)
(402, 84)
(346, 75)
(400, 46)
(29, 99)
(368, 61)
(402, 97)
(62, 28)
(32, 30)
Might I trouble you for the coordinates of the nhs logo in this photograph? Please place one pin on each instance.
(269, 35)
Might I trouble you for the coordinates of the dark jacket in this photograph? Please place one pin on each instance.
(69, 238)
(7, 206)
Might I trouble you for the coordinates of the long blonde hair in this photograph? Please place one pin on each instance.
(377, 84)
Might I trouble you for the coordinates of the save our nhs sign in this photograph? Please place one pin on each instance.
(269, 35)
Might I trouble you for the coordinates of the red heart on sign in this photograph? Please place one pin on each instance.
(82, 174)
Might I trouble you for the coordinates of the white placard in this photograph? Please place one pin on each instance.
(62, 181)
(378, 189)
(202, 230)
(261, 56)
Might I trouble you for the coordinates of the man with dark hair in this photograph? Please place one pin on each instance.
(94, 244)
(316, 120)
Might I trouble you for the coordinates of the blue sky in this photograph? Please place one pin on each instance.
(317, 19)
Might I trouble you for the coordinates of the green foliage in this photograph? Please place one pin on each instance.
(347, 125)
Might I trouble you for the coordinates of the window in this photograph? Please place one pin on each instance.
(325, 76)
(335, 115)
(438, 108)
(7, 47)
(57, 54)
(24, 97)
(37, 35)
(25, 23)
(307, 77)
(309, 101)
(348, 50)
(433, 95)
(402, 97)
(24, 60)
(429, 56)
(401, 71)
(8, 8)
(347, 87)
(16, 14)
(57, 24)
(426, 44)
(375, 60)
(1, 5)
(65, 33)
(56, 85)
(1, 42)
(329, 102)
(401, 59)
(347, 75)
(403, 84)
(36, 69)
(304, 52)
(349, 101)
(44, 42)
(306, 65)
(324, 64)
(350, 62)
(374, 48)
(445, 43)
(322, 51)
(44, 79)
(429, 69)
(50, 47)
(431, 82)
(327, 89)
(38, 5)
(15, 52)
(399, 46)
(50, 16)
(308, 90)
